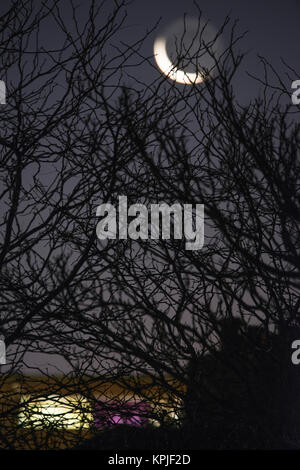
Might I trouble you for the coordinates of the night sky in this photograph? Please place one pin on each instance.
(272, 26)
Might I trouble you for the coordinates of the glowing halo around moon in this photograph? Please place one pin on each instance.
(197, 40)
(169, 69)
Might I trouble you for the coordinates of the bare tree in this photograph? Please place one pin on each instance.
(79, 131)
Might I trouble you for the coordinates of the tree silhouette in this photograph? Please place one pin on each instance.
(79, 130)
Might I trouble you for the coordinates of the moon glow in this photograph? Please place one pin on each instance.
(169, 69)
(197, 41)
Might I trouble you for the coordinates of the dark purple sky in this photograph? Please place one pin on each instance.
(273, 25)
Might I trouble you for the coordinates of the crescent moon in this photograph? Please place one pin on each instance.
(169, 69)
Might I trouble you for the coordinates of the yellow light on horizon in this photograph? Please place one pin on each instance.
(67, 412)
